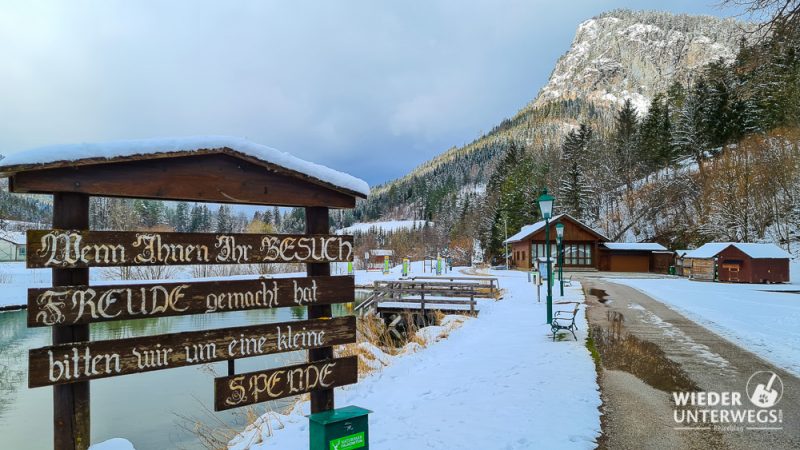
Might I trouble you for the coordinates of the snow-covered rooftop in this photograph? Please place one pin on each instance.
(528, 230)
(122, 150)
(683, 252)
(381, 252)
(757, 251)
(16, 237)
(642, 246)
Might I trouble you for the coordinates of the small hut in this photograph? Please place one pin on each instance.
(641, 257)
(12, 246)
(375, 258)
(681, 267)
(739, 263)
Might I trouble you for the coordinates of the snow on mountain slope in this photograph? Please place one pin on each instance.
(633, 55)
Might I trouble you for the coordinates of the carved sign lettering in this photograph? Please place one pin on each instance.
(72, 305)
(82, 361)
(77, 249)
(265, 385)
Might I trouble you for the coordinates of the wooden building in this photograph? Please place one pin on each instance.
(12, 246)
(375, 258)
(681, 268)
(739, 263)
(586, 249)
(635, 257)
(581, 244)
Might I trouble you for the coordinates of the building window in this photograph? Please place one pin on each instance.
(575, 254)
(578, 254)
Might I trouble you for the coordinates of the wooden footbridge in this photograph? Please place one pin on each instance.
(420, 298)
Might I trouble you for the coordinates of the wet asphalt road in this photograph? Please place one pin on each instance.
(649, 351)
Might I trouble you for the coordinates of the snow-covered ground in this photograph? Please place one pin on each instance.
(113, 444)
(385, 226)
(15, 279)
(498, 381)
(765, 323)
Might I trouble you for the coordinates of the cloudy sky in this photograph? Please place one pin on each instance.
(369, 87)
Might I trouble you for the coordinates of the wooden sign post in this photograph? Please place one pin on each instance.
(222, 174)
(71, 417)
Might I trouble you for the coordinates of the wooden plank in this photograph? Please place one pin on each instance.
(317, 221)
(83, 361)
(71, 403)
(79, 249)
(265, 385)
(465, 301)
(72, 305)
(219, 178)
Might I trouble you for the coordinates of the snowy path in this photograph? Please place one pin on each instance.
(765, 323)
(650, 350)
(497, 382)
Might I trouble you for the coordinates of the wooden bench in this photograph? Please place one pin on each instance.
(568, 281)
(565, 320)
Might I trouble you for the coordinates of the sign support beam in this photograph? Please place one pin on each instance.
(71, 425)
(317, 223)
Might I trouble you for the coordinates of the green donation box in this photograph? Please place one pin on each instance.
(340, 429)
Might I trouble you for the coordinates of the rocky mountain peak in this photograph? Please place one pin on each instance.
(633, 55)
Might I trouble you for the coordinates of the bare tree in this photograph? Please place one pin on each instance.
(771, 14)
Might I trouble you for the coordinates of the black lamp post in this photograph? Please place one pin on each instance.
(560, 238)
(546, 207)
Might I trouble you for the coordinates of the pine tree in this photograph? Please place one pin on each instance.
(575, 192)
(625, 143)
(224, 219)
(276, 214)
(655, 138)
(180, 219)
(689, 137)
(151, 212)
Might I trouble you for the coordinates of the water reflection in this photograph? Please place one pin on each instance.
(150, 409)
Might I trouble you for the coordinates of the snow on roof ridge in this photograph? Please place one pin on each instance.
(752, 249)
(134, 147)
(651, 246)
(17, 237)
(530, 229)
(527, 230)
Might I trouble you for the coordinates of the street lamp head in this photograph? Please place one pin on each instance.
(546, 204)
(560, 231)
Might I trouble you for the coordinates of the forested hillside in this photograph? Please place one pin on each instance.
(652, 127)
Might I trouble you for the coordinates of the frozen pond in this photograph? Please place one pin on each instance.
(154, 410)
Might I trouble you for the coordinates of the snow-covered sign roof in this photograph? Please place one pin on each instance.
(641, 246)
(756, 251)
(15, 237)
(683, 252)
(118, 151)
(381, 252)
(528, 230)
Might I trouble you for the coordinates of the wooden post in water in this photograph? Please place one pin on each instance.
(317, 223)
(71, 427)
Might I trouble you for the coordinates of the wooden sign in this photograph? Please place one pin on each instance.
(265, 385)
(71, 305)
(78, 249)
(83, 361)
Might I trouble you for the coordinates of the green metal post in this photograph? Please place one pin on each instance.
(561, 264)
(549, 272)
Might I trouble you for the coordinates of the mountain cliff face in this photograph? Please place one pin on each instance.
(634, 55)
(616, 56)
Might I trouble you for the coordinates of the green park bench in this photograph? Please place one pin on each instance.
(565, 320)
